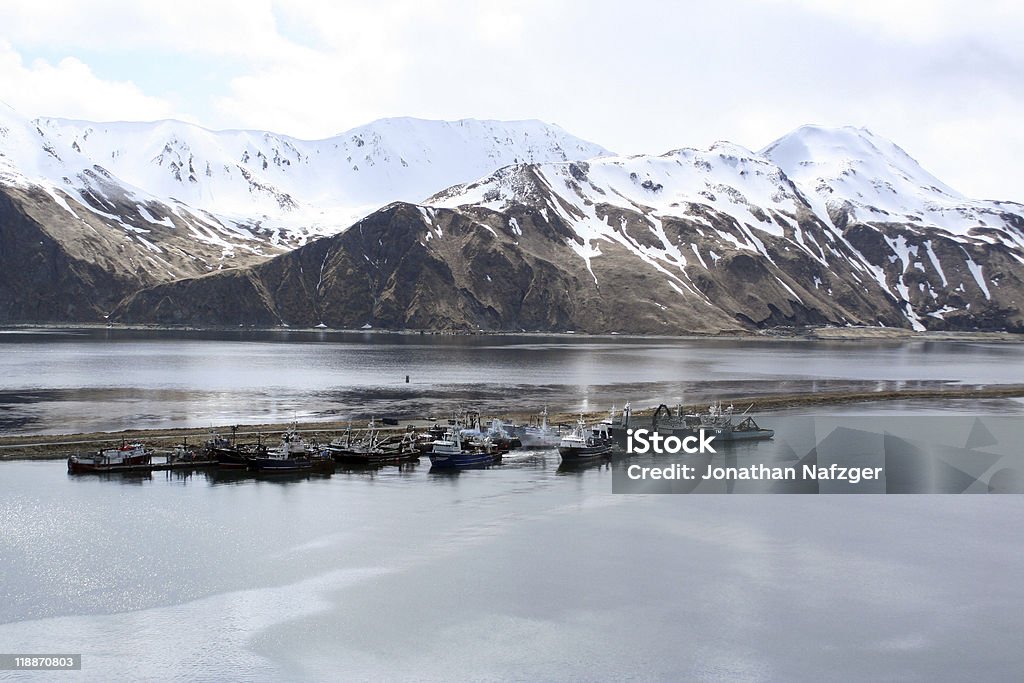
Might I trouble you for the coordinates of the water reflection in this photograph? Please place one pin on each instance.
(539, 566)
(108, 380)
(134, 478)
(604, 463)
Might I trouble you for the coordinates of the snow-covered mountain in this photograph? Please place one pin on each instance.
(298, 188)
(816, 204)
(152, 202)
(182, 239)
(852, 172)
(722, 239)
(523, 227)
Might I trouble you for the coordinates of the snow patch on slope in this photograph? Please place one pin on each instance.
(855, 169)
(310, 187)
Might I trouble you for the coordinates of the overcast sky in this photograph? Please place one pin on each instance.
(943, 79)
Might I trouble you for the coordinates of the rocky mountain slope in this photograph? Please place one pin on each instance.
(74, 239)
(296, 189)
(824, 226)
(91, 212)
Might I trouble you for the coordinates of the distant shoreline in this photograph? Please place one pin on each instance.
(59, 446)
(824, 333)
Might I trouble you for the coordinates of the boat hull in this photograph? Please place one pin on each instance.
(230, 458)
(281, 465)
(384, 457)
(577, 453)
(463, 460)
(88, 465)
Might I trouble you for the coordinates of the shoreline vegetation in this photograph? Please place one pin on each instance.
(60, 446)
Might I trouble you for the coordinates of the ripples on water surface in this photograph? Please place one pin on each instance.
(108, 380)
(521, 572)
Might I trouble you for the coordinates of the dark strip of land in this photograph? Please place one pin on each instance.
(52, 447)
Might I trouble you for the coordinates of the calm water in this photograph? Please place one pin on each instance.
(100, 380)
(520, 572)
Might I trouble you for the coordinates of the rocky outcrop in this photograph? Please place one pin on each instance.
(41, 279)
(405, 267)
(62, 261)
(412, 267)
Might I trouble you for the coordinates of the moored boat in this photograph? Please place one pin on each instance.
(722, 422)
(496, 433)
(541, 435)
(583, 443)
(290, 456)
(374, 448)
(229, 454)
(452, 451)
(184, 456)
(127, 457)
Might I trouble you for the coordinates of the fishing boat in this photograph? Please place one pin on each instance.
(232, 458)
(584, 443)
(291, 455)
(452, 451)
(374, 448)
(499, 436)
(229, 454)
(126, 457)
(184, 456)
(541, 435)
(424, 441)
(722, 422)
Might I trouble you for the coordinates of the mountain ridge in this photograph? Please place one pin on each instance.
(321, 185)
(144, 237)
(822, 226)
(716, 240)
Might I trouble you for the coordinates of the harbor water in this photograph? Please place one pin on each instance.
(520, 572)
(523, 571)
(74, 381)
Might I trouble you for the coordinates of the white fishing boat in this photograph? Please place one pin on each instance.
(584, 443)
(542, 435)
(127, 456)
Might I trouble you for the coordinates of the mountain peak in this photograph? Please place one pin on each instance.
(288, 185)
(817, 143)
(871, 176)
(831, 152)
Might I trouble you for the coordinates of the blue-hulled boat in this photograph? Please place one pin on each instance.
(453, 451)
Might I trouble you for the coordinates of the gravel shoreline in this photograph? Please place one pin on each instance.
(58, 447)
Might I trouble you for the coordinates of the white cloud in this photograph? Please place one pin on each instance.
(70, 89)
(921, 21)
(360, 62)
(939, 77)
(501, 27)
(211, 27)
